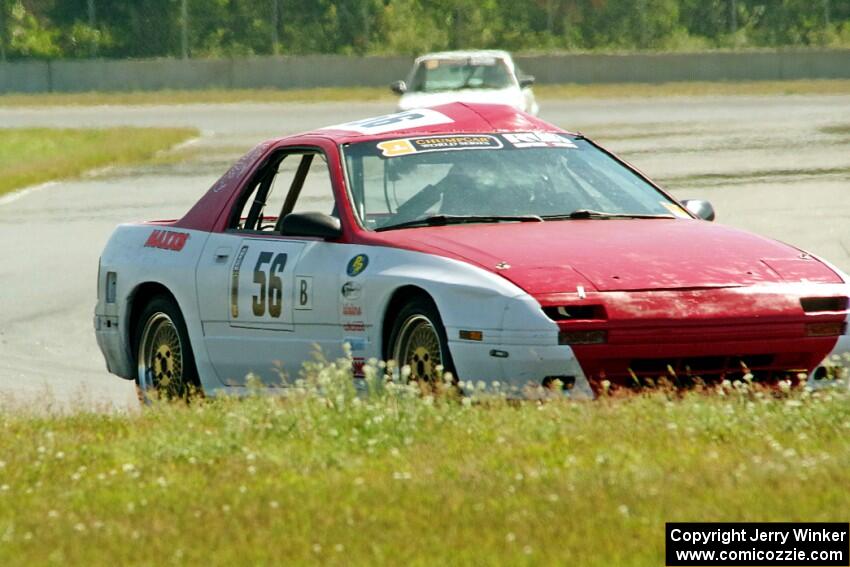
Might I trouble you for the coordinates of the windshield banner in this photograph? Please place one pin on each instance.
(404, 146)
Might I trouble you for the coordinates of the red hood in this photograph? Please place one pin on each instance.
(616, 255)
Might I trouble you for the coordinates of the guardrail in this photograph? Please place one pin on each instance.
(311, 71)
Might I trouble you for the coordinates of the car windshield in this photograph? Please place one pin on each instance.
(453, 74)
(444, 179)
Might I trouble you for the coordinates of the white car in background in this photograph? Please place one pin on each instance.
(466, 76)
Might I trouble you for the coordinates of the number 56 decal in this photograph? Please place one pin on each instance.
(271, 285)
(269, 293)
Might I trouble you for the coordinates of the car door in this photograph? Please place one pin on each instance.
(262, 313)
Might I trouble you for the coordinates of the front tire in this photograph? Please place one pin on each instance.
(418, 340)
(166, 363)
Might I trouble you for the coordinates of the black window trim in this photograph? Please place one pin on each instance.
(273, 160)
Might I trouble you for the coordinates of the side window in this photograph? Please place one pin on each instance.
(290, 182)
(316, 193)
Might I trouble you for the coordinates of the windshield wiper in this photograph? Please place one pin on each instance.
(590, 214)
(442, 220)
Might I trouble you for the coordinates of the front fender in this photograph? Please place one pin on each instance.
(519, 343)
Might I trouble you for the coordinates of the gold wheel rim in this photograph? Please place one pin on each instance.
(418, 346)
(161, 357)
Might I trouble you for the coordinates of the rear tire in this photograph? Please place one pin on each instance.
(165, 361)
(418, 339)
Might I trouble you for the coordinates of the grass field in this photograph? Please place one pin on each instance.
(397, 479)
(35, 155)
(346, 94)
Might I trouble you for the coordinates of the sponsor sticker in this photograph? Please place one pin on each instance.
(234, 282)
(167, 240)
(240, 167)
(415, 118)
(358, 344)
(351, 290)
(357, 364)
(351, 310)
(405, 146)
(354, 327)
(356, 265)
(539, 140)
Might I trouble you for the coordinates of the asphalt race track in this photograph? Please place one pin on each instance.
(779, 166)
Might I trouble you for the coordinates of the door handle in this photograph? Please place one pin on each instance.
(222, 254)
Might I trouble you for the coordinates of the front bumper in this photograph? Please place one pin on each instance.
(705, 334)
(518, 366)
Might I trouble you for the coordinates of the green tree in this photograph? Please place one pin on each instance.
(29, 36)
(223, 28)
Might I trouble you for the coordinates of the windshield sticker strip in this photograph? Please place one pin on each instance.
(539, 140)
(405, 146)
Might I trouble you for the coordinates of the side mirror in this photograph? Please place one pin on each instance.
(318, 225)
(399, 87)
(701, 209)
(526, 81)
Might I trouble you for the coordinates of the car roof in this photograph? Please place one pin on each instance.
(451, 118)
(465, 54)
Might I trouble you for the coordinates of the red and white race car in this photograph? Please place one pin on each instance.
(475, 237)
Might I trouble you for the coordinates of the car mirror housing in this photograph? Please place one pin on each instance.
(313, 224)
(526, 81)
(399, 87)
(702, 209)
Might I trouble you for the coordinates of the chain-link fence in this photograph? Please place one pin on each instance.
(50, 29)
